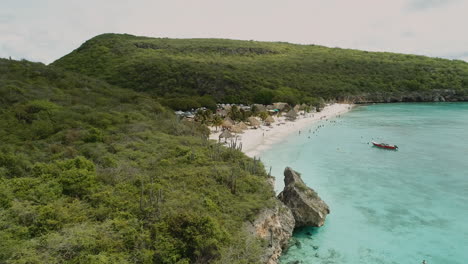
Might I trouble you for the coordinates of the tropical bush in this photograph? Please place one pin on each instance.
(234, 71)
(92, 173)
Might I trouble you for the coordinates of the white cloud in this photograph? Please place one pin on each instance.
(47, 30)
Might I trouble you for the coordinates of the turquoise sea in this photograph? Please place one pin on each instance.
(387, 206)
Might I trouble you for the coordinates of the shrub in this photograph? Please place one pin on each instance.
(197, 238)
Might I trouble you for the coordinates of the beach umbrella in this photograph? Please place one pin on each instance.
(291, 115)
(236, 129)
(254, 121)
(225, 134)
(269, 120)
(280, 106)
(243, 126)
(227, 123)
(260, 107)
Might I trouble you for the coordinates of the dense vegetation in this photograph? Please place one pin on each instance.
(190, 72)
(92, 173)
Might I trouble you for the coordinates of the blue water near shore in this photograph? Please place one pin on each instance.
(386, 206)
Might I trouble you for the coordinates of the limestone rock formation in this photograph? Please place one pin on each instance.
(275, 225)
(306, 206)
(435, 95)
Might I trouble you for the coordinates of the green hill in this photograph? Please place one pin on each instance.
(92, 173)
(249, 71)
(94, 170)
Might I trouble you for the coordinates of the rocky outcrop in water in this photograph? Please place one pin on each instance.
(297, 205)
(305, 204)
(274, 225)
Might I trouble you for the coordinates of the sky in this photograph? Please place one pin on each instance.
(45, 30)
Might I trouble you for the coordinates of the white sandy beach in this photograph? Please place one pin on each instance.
(255, 141)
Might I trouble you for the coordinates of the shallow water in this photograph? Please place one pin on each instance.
(386, 206)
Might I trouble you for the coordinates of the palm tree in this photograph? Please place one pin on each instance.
(217, 121)
(263, 115)
(235, 113)
(203, 116)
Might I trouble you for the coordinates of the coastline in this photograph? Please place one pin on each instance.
(255, 141)
(278, 222)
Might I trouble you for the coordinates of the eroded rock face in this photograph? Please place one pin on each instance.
(305, 204)
(274, 225)
(435, 95)
(297, 205)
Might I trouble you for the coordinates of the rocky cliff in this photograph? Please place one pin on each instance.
(274, 225)
(297, 205)
(441, 95)
(305, 204)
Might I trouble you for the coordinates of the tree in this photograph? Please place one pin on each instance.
(235, 113)
(203, 116)
(208, 102)
(217, 121)
(263, 115)
(264, 96)
(254, 109)
(197, 238)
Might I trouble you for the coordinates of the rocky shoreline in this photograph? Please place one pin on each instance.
(296, 206)
(438, 95)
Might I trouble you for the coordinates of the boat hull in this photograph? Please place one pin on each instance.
(384, 146)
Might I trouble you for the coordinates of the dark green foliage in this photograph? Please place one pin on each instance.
(91, 173)
(235, 113)
(235, 71)
(188, 103)
(264, 96)
(76, 176)
(197, 237)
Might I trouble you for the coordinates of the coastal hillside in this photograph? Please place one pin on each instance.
(93, 173)
(193, 72)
